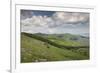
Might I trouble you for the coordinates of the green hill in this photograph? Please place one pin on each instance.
(52, 47)
(66, 38)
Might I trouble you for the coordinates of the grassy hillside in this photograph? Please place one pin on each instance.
(67, 38)
(44, 47)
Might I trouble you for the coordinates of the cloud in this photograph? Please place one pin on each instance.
(36, 21)
(26, 14)
(71, 17)
(58, 18)
(49, 24)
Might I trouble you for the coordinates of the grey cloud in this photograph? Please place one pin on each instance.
(61, 20)
(71, 17)
(26, 14)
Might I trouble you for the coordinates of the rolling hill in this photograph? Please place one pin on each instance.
(40, 47)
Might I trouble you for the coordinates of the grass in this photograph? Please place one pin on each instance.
(35, 50)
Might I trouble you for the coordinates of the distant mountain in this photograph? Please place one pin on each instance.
(66, 37)
(85, 34)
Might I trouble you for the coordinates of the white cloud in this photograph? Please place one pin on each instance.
(71, 17)
(58, 19)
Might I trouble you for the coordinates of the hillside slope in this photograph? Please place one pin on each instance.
(35, 50)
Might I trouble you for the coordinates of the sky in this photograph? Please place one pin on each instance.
(51, 22)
